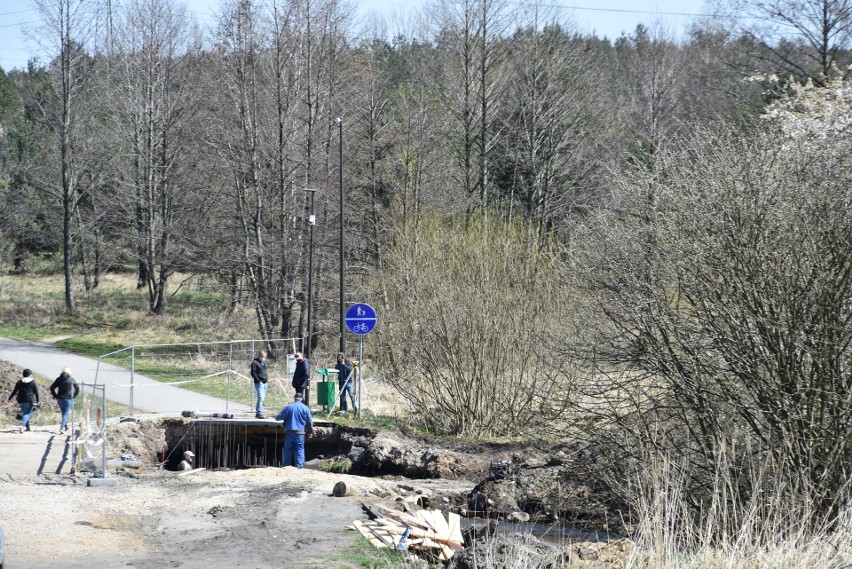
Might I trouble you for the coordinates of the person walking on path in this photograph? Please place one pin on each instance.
(64, 389)
(258, 374)
(345, 380)
(298, 423)
(302, 377)
(26, 390)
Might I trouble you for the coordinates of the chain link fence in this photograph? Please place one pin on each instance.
(199, 376)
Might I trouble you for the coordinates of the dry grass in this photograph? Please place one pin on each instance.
(32, 307)
(759, 533)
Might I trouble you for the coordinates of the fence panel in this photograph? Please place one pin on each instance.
(200, 376)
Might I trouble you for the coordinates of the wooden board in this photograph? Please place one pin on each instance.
(454, 524)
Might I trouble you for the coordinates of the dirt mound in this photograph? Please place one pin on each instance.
(144, 440)
(397, 454)
(549, 486)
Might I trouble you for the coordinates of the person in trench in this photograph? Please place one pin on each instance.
(298, 423)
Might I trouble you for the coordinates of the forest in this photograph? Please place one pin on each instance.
(644, 243)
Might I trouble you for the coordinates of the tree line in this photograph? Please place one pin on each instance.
(153, 142)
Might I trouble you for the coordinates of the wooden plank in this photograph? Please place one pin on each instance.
(368, 535)
(440, 524)
(426, 517)
(394, 527)
(446, 553)
(454, 523)
(403, 518)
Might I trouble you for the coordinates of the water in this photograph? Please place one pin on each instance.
(556, 534)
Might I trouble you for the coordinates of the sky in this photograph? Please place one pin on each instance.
(607, 18)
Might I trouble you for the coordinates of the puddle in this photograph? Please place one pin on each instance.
(556, 534)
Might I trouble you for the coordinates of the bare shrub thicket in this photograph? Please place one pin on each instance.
(472, 323)
(726, 288)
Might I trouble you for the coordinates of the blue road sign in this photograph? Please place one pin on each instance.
(360, 319)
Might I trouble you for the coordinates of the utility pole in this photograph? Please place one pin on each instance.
(312, 221)
(340, 136)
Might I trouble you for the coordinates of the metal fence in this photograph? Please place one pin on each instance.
(199, 376)
(88, 428)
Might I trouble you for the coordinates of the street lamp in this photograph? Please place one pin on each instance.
(340, 137)
(312, 220)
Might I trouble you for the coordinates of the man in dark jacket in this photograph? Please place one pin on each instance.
(26, 390)
(302, 376)
(345, 382)
(258, 374)
(64, 389)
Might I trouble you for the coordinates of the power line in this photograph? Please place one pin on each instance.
(18, 12)
(17, 24)
(641, 12)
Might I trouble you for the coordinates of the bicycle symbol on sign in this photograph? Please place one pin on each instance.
(361, 327)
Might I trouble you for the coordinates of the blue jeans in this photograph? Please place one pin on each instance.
(26, 411)
(260, 389)
(65, 406)
(294, 450)
(350, 389)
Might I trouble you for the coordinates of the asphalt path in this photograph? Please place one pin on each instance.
(149, 395)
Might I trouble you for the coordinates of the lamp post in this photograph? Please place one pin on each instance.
(312, 220)
(340, 137)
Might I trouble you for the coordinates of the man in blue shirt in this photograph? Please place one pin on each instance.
(298, 423)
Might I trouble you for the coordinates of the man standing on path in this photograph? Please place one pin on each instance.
(345, 381)
(302, 377)
(258, 374)
(64, 389)
(298, 423)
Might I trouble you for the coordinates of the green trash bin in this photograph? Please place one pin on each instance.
(326, 389)
(326, 393)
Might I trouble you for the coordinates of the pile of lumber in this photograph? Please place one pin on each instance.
(428, 530)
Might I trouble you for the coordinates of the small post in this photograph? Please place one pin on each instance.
(132, 376)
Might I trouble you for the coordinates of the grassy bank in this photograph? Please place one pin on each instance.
(116, 313)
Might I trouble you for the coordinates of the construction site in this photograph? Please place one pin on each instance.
(110, 492)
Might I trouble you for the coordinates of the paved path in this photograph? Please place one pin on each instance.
(40, 451)
(148, 396)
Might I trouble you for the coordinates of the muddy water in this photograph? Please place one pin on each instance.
(551, 533)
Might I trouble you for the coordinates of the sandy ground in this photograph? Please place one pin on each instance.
(256, 518)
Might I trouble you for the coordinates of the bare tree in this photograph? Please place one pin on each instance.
(803, 38)
(67, 26)
(152, 45)
(655, 72)
(552, 121)
(470, 67)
